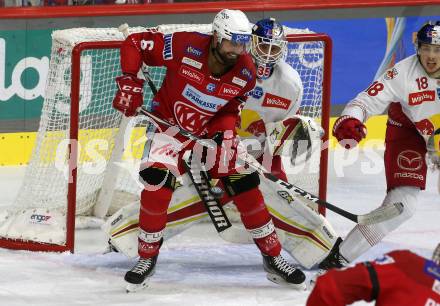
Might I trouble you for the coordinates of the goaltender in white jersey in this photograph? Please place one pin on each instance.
(272, 105)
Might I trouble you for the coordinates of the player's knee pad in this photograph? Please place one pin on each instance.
(158, 177)
(240, 182)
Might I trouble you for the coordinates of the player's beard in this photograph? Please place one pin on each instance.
(222, 58)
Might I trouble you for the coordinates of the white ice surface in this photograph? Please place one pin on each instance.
(196, 267)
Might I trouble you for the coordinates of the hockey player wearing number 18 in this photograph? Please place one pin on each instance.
(203, 91)
(410, 93)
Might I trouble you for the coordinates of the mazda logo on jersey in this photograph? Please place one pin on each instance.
(189, 117)
(228, 90)
(191, 74)
(201, 100)
(410, 160)
(275, 101)
(417, 98)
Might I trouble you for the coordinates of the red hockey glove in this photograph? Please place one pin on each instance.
(129, 95)
(347, 128)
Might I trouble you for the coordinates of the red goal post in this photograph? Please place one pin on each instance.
(64, 180)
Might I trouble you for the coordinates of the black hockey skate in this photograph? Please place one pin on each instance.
(281, 272)
(139, 275)
(334, 259)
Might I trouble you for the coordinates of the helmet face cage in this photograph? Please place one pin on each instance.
(269, 45)
(428, 34)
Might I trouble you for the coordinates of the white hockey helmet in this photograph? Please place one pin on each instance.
(232, 25)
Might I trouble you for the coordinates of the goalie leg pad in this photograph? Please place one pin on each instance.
(158, 177)
(236, 184)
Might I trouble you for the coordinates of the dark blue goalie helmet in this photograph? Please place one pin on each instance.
(429, 34)
(269, 45)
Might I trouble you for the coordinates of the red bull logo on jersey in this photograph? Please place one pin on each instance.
(275, 101)
(417, 98)
(228, 90)
(191, 74)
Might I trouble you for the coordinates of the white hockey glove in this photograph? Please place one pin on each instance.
(294, 137)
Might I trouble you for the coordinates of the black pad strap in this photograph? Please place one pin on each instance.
(239, 183)
(374, 281)
(156, 176)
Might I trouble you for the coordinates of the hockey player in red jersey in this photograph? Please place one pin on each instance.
(409, 93)
(207, 79)
(399, 278)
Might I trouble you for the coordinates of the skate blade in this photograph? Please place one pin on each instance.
(280, 281)
(137, 287)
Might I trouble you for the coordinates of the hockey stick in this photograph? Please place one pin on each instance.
(378, 215)
(219, 218)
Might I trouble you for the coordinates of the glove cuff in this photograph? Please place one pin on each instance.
(339, 121)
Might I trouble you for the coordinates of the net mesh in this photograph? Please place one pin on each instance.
(44, 189)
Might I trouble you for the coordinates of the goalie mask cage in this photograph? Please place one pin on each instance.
(87, 154)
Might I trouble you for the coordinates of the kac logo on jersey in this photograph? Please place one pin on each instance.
(190, 118)
(193, 50)
(257, 92)
(168, 47)
(210, 87)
